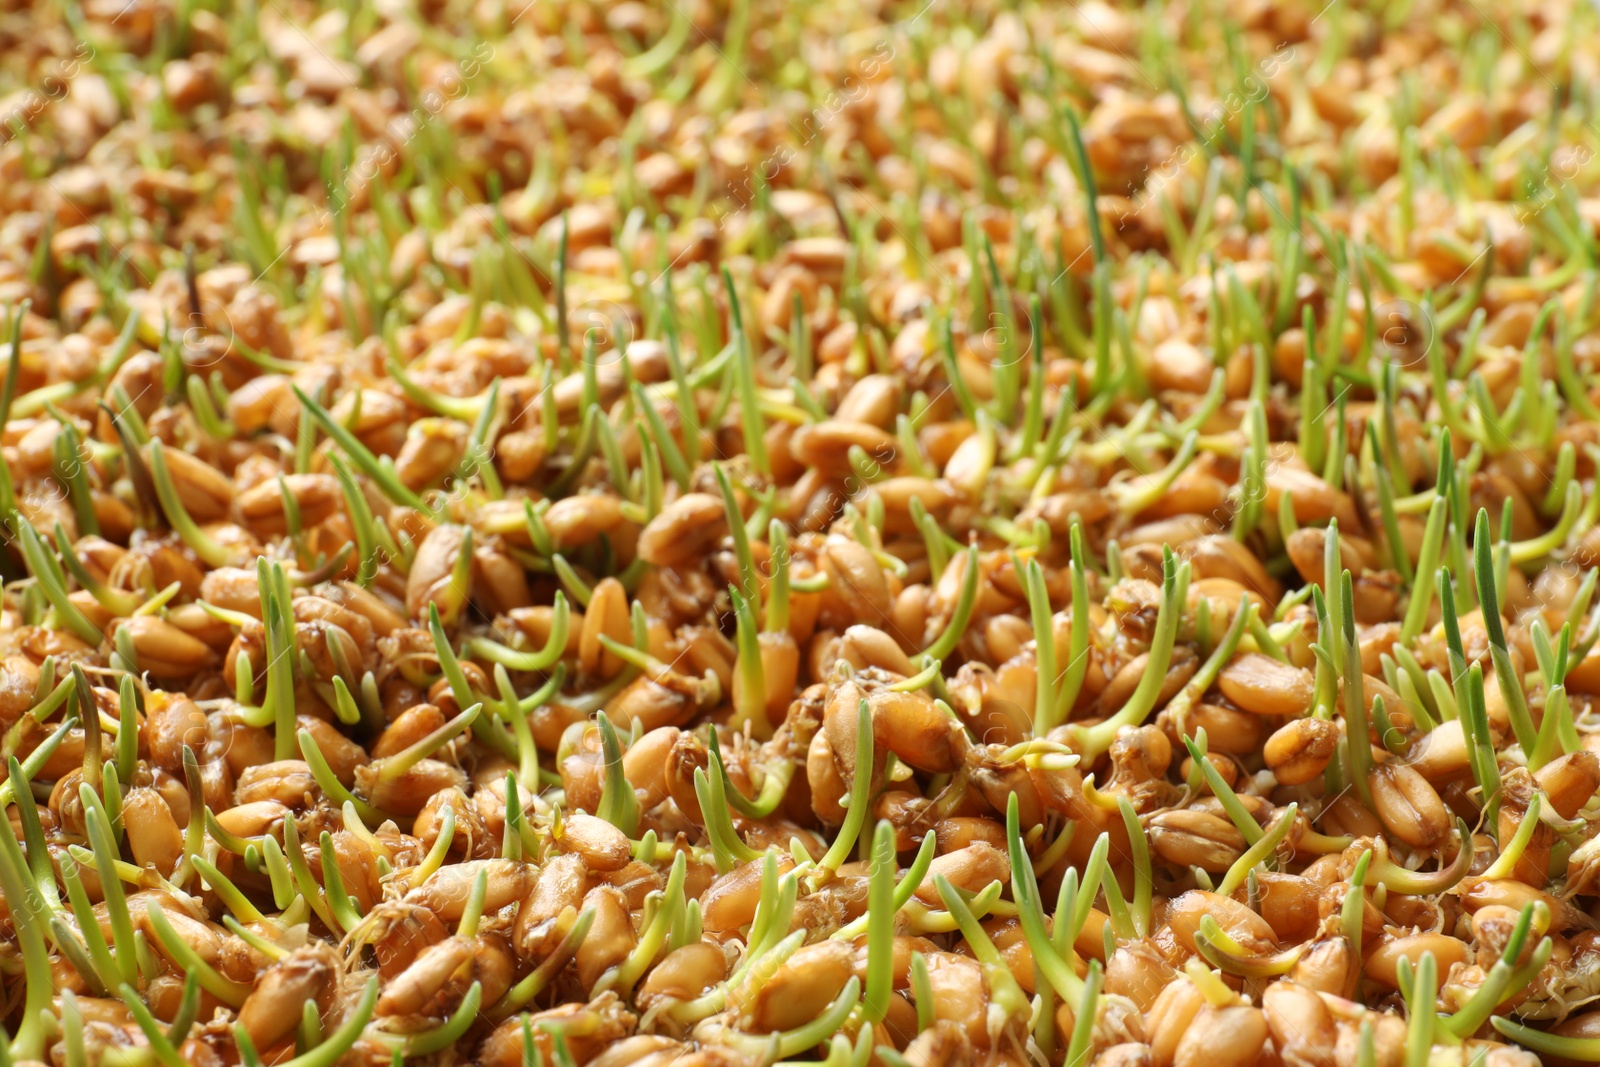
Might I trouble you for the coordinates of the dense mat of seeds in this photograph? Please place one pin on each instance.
(937, 533)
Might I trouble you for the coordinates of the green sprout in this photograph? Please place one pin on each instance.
(744, 364)
(904, 890)
(880, 928)
(1091, 741)
(945, 644)
(1420, 988)
(1500, 654)
(1143, 886)
(381, 473)
(207, 548)
(1480, 743)
(1505, 977)
(1055, 970)
(1221, 655)
(1006, 999)
(335, 1046)
(750, 697)
(164, 1048)
(727, 846)
(1231, 804)
(69, 467)
(1258, 853)
(224, 989)
(664, 911)
(618, 804)
(52, 583)
(518, 660)
(860, 795)
(29, 912)
(1511, 851)
(38, 854)
(1399, 879)
(774, 783)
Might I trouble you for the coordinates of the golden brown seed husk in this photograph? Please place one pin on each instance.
(1301, 750)
(1265, 686)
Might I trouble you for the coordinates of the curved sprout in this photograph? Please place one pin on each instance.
(793, 1042)
(669, 914)
(555, 645)
(334, 1047)
(1225, 954)
(1397, 879)
(442, 1037)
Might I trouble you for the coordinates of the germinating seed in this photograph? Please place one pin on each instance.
(713, 534)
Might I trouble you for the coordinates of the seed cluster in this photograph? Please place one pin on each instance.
(582, 532)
